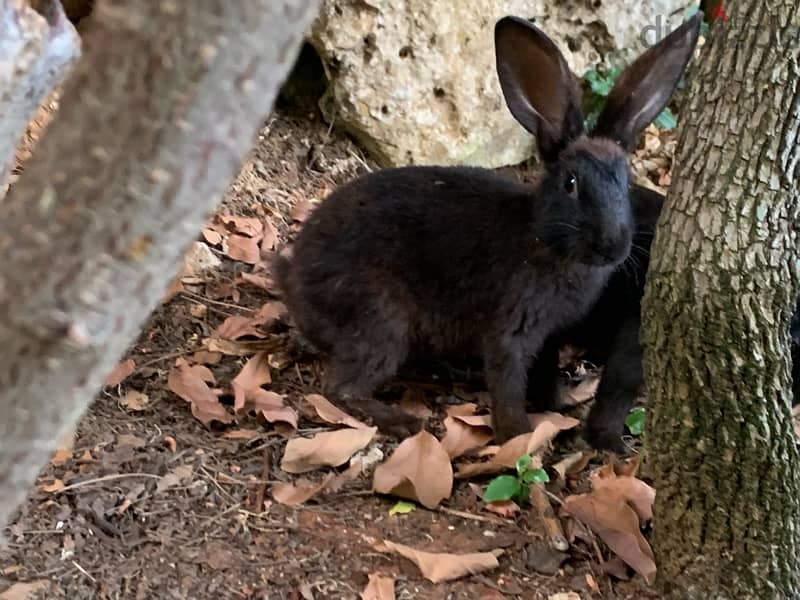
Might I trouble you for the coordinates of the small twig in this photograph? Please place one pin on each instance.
(270, 529)
(553, 497)
(43, 531)
(102, 523)
(472, 517)
(84, 571)
(552, 526)
(361, 161)
(596, 547)
(208, 520)
(591, 536)
(262, 516)
(81, 484)
(159, 359)
(276, 439)
(199, 298)
(351, 493)
(216, 483)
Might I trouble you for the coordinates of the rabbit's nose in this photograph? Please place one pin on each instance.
(613, 249)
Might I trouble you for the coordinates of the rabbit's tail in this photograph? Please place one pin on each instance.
(312, 327)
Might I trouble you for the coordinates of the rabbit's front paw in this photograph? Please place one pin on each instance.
(601, 437)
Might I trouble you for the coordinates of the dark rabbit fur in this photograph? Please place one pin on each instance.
(610, 335)
(425, 261)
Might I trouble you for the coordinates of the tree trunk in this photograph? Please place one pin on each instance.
(37, 47)
(722, 285)
(153, 125)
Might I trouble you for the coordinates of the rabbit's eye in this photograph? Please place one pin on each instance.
(571, 184)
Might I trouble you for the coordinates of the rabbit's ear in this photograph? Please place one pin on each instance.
(537, 84)
(645, 87)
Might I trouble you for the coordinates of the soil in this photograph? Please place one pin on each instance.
(102, 523)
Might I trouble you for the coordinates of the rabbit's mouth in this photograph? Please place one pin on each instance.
(606, 253)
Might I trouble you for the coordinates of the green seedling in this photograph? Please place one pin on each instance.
(515, 487)
(635, 421)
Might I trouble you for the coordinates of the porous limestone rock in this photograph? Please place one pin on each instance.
(414, 80)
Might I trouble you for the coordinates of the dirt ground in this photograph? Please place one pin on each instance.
(151, 503)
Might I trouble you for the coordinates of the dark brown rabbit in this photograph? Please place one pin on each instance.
(423, 261)
(610, 336)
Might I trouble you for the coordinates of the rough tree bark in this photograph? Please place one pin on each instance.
(37, 48)
(721, 289)
(153, 124)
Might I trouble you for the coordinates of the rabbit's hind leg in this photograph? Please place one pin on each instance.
(362, 361)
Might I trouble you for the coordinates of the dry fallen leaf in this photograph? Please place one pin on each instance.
(627, 468)
(630, 489)
(331, 448)
(439, 567)
(50, 488)
(249, 226)
(260, 281)
(271, 407)
(135, 401)
(26, 590)
(225, 347)
(349, 474)
(270, 238)
(300, 211)
(238, 326)
(332, 414)
(616, 567)
(242, 248)
(189, 382)
(303, 490)
(419, 469)
(60, 456)
(545, 427)
(573, 463)
(127, 439)
(379, 587)
(292, 494)
(212, 237)
(120, 373)
(490, 467)
(218, 555)
(199, 311)
(617, 525)
(614, 510)
(578, 394)
(253, 375)
(221, 290)
(465, 433)
(461, 410)
(504, 508)
(178, 475)
(206, 357)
